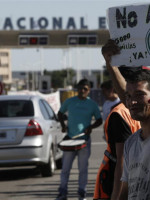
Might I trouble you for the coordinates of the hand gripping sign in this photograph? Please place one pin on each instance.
(129, 26)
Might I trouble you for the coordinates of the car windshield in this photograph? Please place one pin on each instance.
(16, 108)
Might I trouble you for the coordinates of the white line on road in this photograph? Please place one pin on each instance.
(98, 143)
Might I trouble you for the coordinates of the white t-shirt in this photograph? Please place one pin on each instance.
(107, 107)
(136, 168)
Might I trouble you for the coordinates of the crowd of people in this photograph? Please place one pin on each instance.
(124, 173)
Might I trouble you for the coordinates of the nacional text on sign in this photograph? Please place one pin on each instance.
(44, 23)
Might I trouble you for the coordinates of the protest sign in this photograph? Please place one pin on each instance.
(129, 26)
(53, 99)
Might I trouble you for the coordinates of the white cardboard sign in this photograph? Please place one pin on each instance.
(129, 26)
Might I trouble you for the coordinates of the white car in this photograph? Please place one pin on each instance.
(29, 133)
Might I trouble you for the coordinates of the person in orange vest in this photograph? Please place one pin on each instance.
(118, 126)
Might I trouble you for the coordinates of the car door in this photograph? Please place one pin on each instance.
(58, 135)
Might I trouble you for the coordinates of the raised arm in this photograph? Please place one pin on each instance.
(108, 50)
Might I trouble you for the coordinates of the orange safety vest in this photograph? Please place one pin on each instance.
(102, 186)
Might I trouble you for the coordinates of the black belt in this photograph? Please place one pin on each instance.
(110, 156)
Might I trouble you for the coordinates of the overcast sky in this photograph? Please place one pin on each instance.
(50, 59)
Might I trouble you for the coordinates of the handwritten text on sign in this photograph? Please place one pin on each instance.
(129, 26)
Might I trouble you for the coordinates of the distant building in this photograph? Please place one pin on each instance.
(5, 67)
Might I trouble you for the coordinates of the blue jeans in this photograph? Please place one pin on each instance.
(68, 158)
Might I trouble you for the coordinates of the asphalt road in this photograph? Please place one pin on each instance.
(26, 183)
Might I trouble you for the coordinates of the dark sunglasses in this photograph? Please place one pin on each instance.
(83, 88)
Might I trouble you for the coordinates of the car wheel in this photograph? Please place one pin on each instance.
(59, 163)
(49, 168)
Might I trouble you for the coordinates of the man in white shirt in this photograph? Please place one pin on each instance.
(111, 98)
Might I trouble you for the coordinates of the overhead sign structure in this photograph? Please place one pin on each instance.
(33, 39)
(30, 15)
(31, 23)
(82, 39)
(129, 26)
(53, 39)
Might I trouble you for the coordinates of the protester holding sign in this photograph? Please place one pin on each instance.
(125, 25)
(134, 90)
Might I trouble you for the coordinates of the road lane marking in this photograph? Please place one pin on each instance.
(99, 143)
